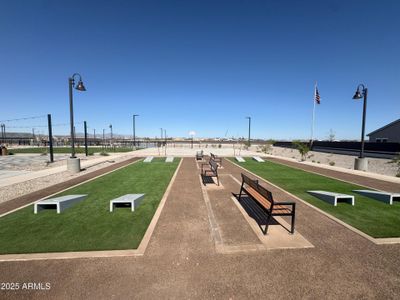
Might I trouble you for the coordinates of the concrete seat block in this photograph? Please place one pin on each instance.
(59, 203)
(331, 197)
(380, 195)
(257, 158)
(148, 159)
(133, 199)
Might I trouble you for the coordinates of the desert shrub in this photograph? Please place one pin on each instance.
(331, 163)
(302, 148)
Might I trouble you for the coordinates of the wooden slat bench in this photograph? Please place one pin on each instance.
(216, 158)
(209, 169)
(265, 201)
(199, 155)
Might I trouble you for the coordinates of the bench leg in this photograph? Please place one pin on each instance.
(267, 224)
(293, 218)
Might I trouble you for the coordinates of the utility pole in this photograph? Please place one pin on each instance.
(111, 141)
(104, 139)
(134, 129)
(248, 143)
(165, 137)
(86, 144)
(50, 138)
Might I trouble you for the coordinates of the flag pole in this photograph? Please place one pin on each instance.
(313, 115)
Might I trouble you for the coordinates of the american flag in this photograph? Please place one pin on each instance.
(317, 98)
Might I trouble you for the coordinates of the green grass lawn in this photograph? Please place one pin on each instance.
(63, 150)
(373, 217)
(89, 225)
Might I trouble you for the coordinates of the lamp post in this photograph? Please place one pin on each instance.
(73, 163)
(361, 162)
(111, 134)
(134, 128)
(248, 142)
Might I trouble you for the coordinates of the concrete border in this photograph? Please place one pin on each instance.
(107, 253)
(377, 241)
(220, 247)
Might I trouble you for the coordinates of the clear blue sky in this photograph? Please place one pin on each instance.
(202, 65)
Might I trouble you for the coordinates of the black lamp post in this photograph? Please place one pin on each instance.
(111, 134)
(79, 87)
(134, 128)
(249, 130)
(362, 93)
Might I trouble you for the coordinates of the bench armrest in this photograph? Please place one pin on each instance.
(285, 203)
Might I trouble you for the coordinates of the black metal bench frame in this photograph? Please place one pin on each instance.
(266, 195)
(209, 169)
(216, 158)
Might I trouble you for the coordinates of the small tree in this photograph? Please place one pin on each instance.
(302, 148)
(331, 135)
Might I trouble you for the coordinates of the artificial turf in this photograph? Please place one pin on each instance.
(89, 225)
(373, 217)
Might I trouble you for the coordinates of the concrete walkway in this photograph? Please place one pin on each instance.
(181, 261)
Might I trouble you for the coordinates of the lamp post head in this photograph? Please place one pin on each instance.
(358, 94)
(80, 86)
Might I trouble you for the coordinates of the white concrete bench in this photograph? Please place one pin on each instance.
(240, 159)
(257, 158)
(379, 195)
(59, 203)
(332, 198)
(133, 199)
(148, 159)
(169, 159)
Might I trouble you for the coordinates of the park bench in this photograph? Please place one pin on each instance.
(331, 197)
(133, 200)
(216, 158)
(199, 155)
(379, 195)
(263, 198)
(209, 170)
(258, 159)
(169, 159)
(59, 203)
(148, 159)
(240, 159)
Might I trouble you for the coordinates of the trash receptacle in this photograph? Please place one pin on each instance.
(3, 151)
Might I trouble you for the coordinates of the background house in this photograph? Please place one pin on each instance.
(389, 133)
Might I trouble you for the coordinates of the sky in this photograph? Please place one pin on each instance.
(201, 66)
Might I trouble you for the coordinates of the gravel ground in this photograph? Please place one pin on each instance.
(375, 165)
(36, 162)
(23, 188)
